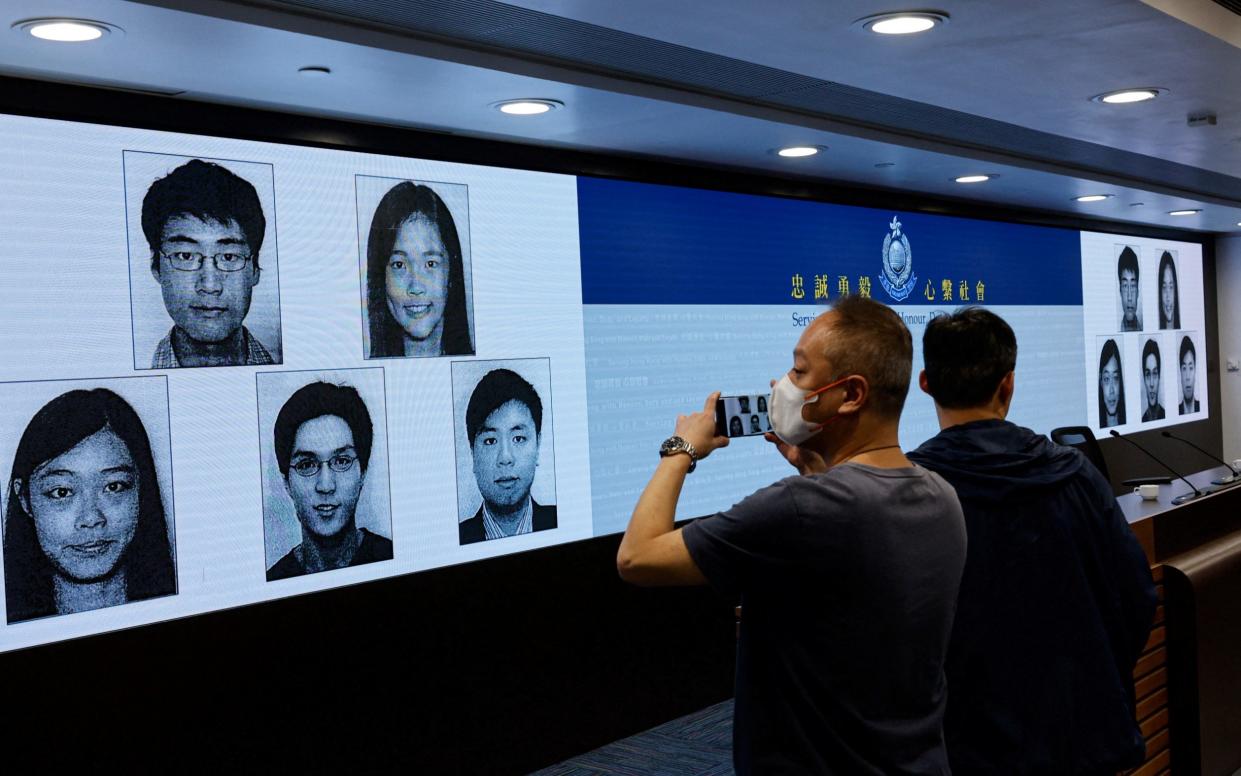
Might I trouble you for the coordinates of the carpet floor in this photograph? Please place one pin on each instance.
(698, 744)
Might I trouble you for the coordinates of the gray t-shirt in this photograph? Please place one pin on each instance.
(848, 582)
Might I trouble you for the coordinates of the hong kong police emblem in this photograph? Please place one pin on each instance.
(898, 277)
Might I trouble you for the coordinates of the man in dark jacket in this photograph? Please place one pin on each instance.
(1056, 599)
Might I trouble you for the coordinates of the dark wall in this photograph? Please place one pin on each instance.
(500, 666)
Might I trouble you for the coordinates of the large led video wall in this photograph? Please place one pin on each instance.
(236, 371)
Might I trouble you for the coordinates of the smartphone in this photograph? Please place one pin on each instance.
(745, 415)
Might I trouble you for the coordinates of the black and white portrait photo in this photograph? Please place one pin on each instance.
(1111, 377)
(1150, 362)
(506, 471)
(415, 260)
(1128, 289)
(1187, 377)
(1169, 292)
(204, 282)
(325, 470)
(88, 506)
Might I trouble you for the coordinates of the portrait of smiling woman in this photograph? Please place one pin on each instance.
(417, 287)
(85, 526)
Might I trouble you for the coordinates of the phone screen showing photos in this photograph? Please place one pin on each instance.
(741, 416)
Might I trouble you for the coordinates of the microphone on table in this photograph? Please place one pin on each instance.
(1234, 477)
(1181, 499)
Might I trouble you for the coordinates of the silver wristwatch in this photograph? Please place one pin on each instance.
(675, 444)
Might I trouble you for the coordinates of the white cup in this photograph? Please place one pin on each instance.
(1148, 492)
(1236, 464)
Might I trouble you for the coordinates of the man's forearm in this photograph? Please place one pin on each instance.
(653, 517)
(655, 512)
(652, 551)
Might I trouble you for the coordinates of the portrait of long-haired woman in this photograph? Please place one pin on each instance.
(85, 526)
(1111, 386)
(416, 296)
(1169, 293)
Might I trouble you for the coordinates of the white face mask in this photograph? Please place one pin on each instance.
(785, 411)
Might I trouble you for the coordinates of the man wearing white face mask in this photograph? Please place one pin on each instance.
(847, 572)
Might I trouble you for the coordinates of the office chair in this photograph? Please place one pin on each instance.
(1083, 439)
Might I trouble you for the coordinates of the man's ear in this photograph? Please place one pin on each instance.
(857, 390)
(1004, 392)
(923, 383)
(155, 267)
(255, 272)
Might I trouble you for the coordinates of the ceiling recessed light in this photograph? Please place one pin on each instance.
(901, 22)
(528, 107)
(1184, 212)
(1137, 204)
(1092, 197)
(1126, 96)
(63, 30)
(973, 178)
(315, 71)
(796, 152)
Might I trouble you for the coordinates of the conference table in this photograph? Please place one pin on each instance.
(1188, 679)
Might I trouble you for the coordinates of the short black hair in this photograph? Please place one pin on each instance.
(967, 353)
(206, 191)
(1187, 346)
(1151, 348)
(869, 339)
(1128, 260)
(314, 401)
(497, 388)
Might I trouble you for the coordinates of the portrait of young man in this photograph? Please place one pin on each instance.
(323, 439)
(208, 241)
(1189, 374)
(1127, 275)
(1152, 382)
(504, 429)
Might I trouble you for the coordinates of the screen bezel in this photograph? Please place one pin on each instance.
(446, 617)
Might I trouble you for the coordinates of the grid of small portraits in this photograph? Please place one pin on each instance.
(1149, 353)
(745, 415)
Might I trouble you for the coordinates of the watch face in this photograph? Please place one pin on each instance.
(672, 444)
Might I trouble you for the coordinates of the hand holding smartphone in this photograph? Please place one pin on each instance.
(742, 415)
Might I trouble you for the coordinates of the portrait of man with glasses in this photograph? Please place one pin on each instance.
(205, 228)
(323, 439)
